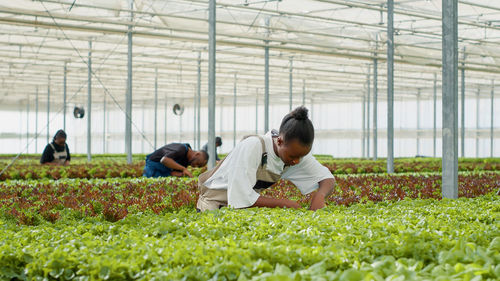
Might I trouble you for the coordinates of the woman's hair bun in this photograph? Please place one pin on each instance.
(299, 113)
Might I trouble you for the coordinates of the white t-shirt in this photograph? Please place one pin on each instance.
(238, 172)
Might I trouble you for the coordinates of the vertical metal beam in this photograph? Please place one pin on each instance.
(89, 104)
(418, 121)
(434, 117)
(256, 111)
(312, 110)
(290, 80)
(180, 127)
(128, 103)
(221, 111)
(375, 107)
(363, 126)
(266, 80)
(211, 82)
(104, 125)
(450, 99)
(477, 121)
(27, 123)
(156, 108)
(462, 113)
(234, 110)
(195, 112)
(36, 120)
(143, 130)
(48, 107)
(165, 111)
(491, 116)
(303, 92)
(20, 142)
(198, 97)
(368, 94)
(390, 86)
(64, 95)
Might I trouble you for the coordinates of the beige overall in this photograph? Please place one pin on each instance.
(59, 157)
(212, 199)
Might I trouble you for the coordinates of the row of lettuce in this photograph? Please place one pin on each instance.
(117, 167)
(36, 201)
(403, 240)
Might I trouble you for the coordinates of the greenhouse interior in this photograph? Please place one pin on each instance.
(402, 181)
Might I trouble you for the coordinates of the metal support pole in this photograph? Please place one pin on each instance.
(221, 111)
(418, 122)
(266, 80)
(368, 94)
(36, 120)
(234, 111)
(390, 86)
(462, 113)
(48, 107)
(64, 95)
(165, 111)
(104, 125)
(290, 80)
(375, 108)
(477, 121)
(195, 111)
(128, 103)
(434, 117)
(211, 82)
(256, 111)
(20, 142)
(27, 123)
(156, 108)
(312, 110)
(89, 105)
(198, 97)
(180, 128)
(491, 116)
(143, 124)
(363, 126)
(450, 99)
(303, 92)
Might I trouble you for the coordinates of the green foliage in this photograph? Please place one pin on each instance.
(405, 240)
(115, 165)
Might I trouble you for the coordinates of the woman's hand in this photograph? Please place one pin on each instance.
(291, 204)
(317, 202)
(318, 198)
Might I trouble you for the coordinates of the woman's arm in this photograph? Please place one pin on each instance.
(268, 202)
(325, 188)
(47, 156)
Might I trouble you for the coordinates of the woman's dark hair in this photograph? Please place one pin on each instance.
(59, 134)
(296, 125)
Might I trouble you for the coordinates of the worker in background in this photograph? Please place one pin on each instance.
(218, 142)
(259, 161)
(173, 160)
(56, 152)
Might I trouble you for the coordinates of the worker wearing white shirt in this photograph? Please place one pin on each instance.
(257, 162)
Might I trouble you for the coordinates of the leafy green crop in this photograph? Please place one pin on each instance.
(31, 202)
(109, 166)
(405, 240)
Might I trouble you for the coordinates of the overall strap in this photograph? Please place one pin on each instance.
(51, 145)
(263, 160)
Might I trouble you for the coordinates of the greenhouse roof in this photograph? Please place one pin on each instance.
(328, 47)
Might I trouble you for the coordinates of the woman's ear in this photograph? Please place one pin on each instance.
(279, 140)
